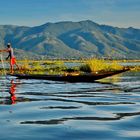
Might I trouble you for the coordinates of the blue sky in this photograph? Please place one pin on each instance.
(121, 13)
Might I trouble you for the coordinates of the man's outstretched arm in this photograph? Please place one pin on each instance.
(4, 50)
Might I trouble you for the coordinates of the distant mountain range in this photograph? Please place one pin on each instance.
(72, 40)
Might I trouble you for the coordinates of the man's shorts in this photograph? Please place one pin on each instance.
(13, 60)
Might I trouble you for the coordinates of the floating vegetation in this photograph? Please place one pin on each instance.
(59, 67)
(100, 65)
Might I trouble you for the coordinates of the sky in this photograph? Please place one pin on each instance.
(119, 13)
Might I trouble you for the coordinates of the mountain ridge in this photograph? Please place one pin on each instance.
(69, 39)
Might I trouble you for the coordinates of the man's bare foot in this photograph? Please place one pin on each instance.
(12, 72)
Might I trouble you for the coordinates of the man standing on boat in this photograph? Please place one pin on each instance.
(11, 56)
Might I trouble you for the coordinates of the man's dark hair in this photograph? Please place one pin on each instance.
(8, 45)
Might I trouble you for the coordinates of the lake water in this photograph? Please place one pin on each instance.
(45, 110)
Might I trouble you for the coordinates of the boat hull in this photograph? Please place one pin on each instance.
(69, 78)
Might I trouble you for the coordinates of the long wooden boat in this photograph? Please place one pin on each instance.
(70, 78)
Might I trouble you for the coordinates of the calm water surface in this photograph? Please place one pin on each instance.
(37, 109)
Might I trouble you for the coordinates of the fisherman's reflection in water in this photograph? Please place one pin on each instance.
(12, 92)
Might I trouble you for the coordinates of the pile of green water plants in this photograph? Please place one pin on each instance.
(59, 67)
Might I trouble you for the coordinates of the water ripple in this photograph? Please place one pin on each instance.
(118, 116)
(84, 109)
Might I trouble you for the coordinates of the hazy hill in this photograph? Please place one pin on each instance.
(72, 40)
